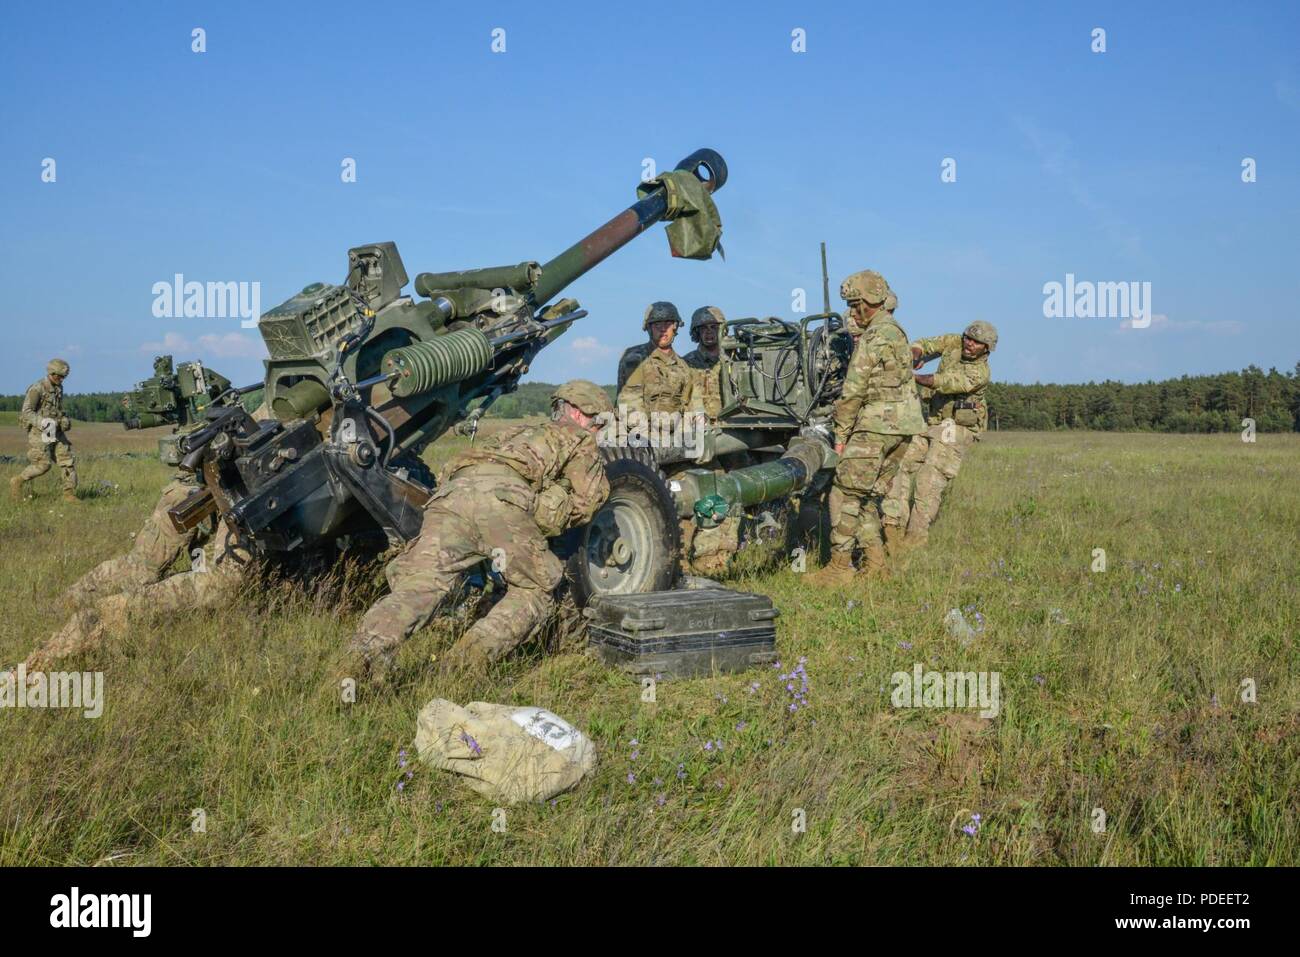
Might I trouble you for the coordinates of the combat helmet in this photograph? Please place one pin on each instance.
(705, 316)
(57, 367)
(661, 312)
(868, 285)
(984, 332)
(585, 396)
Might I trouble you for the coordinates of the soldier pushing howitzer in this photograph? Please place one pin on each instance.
(956, 412)
(498, 503)
(875, 418)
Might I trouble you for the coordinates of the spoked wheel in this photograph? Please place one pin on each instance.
(631, 546)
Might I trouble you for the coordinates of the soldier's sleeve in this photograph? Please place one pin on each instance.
(688, 390)
(31, 403)
(627, 364)
(854, 391)
(632, 392)
(933, 346)
(962, 378)
(585, 473)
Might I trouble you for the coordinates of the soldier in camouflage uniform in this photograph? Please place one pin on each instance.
(875, 418)
(652, 377)
(707, 551)
(957, 412)
(47, 427)
(212, 580)
(106, 596)
(499, 503)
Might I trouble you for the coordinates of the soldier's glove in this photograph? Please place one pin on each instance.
(918, 358)
(551, 510)
(65, 423)
(45, 424)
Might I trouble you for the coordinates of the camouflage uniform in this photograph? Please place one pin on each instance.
(661, 383)
(212, 580)
(628, 362)
(957, 412)
(155, 549)
(498, 502)
(106, 596)
(877, 414)
(47, 441)
(707, 551)
(651, 379)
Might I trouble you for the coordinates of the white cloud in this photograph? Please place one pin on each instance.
(230, 345)
(589, 349)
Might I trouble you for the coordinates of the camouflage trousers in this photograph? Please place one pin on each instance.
(708, 551)
(155, 549)
(467, 522)
(42, 455)
(867, 468)
(932, 461)
(212, 581)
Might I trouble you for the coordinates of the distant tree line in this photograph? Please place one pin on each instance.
(1205, 403)
(85, 406)
(1208, 403)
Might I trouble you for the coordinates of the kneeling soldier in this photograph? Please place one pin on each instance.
(499, 503)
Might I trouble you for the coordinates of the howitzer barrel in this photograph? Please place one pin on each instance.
(623, 228)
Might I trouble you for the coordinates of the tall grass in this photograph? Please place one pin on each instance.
(1121, 690)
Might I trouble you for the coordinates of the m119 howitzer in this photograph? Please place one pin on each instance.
(175, 396)
(779, 383)
(360, 377)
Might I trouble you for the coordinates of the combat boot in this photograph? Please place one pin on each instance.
(16, 488)
(917, 536)
(835, 573)
(873, 562)
(70, 496)
(895, 540)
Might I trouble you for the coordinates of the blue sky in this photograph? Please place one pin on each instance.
(225, 166)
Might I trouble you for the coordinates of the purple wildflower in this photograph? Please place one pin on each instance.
(471, 743)
(631, 778)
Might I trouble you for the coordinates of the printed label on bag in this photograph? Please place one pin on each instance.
(550, 728)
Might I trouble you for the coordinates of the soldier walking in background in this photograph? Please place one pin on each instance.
(47, 427)
(957, 412)
(875, 418)
(498, 502)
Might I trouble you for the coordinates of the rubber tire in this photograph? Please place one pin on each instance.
(635, 480)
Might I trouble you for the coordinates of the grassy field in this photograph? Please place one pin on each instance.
(1121, 690)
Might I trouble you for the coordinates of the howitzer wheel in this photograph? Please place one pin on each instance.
(632, 544)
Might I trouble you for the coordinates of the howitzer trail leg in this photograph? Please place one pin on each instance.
(941, 465)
